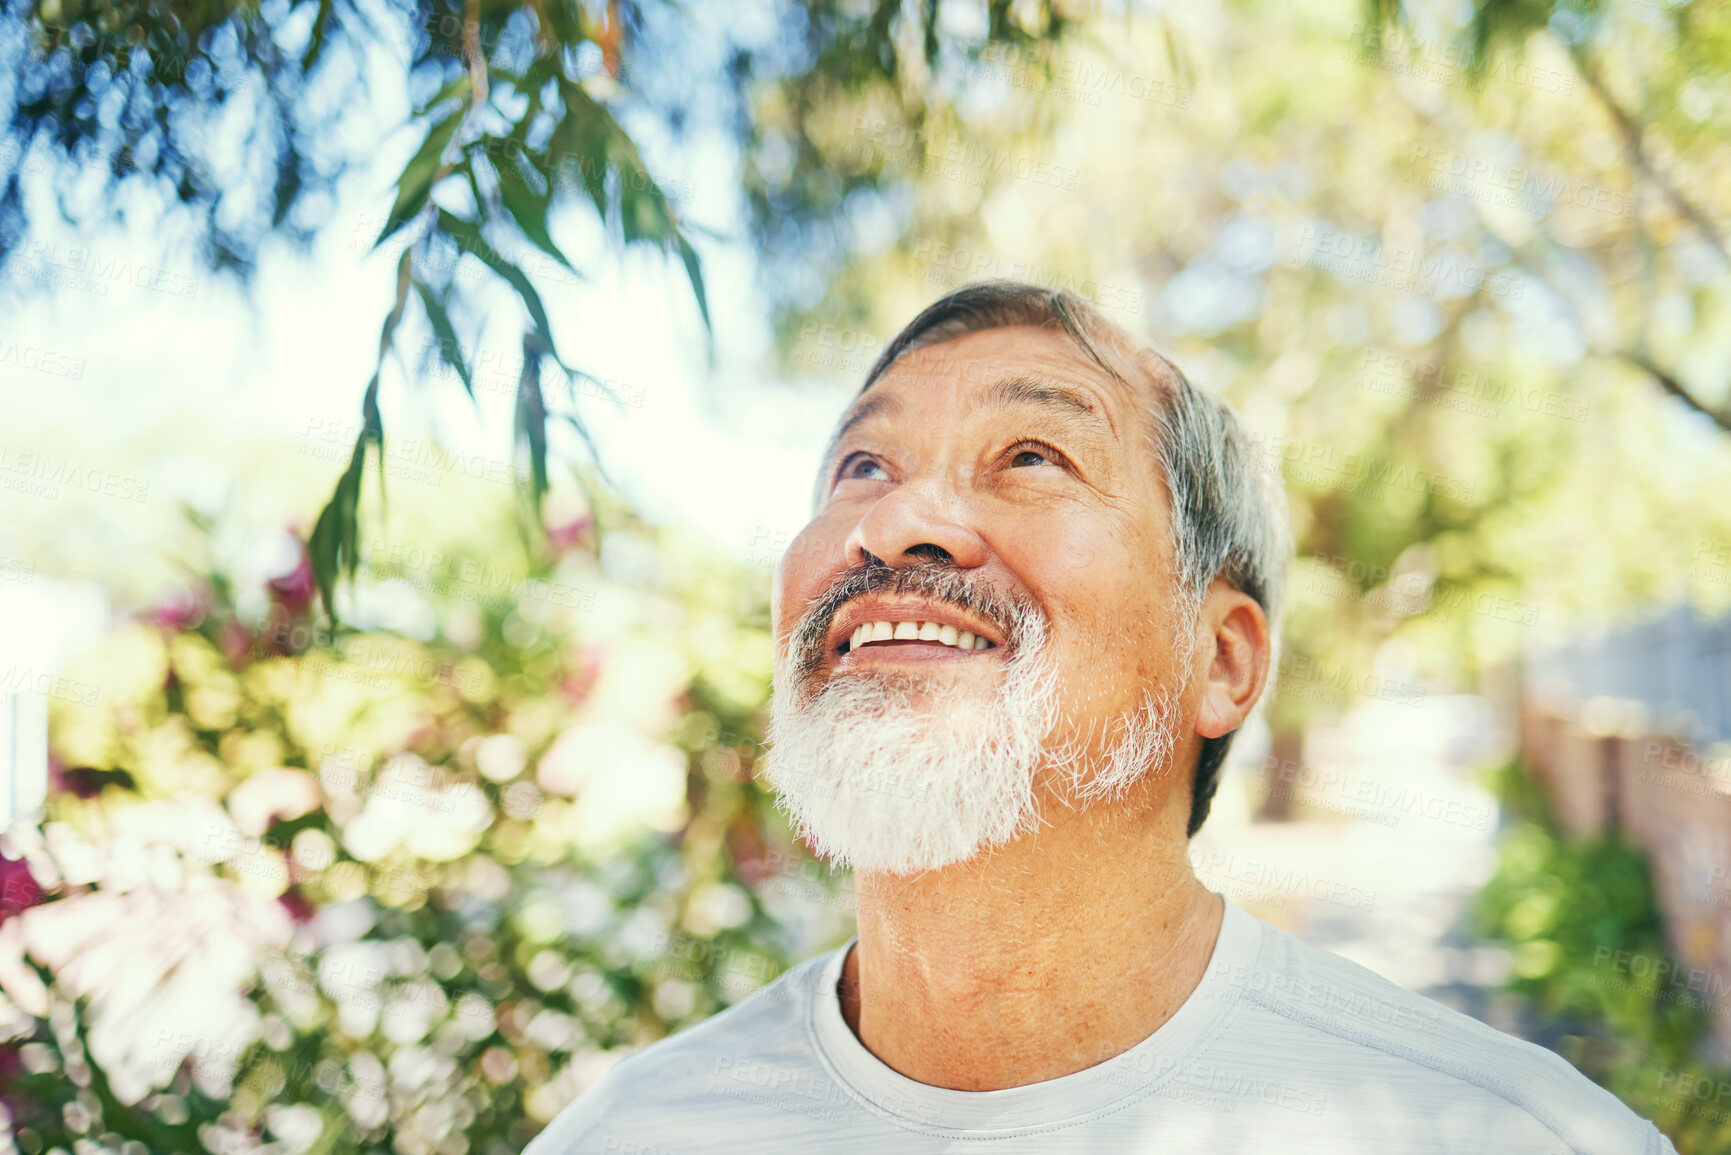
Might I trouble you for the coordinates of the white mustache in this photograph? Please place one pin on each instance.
(940, 582)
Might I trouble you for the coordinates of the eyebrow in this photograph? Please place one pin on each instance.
(874, 404)
(1031, 389)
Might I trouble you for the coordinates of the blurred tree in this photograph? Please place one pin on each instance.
(1665, 128)
(1436, 253)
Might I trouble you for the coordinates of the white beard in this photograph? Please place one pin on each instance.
(874, 782)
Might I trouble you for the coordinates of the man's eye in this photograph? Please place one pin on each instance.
(1034, 453)
(863, 469)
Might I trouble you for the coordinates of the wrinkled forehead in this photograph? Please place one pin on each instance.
(1127, 376)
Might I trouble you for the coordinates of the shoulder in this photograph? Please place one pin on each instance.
(1318, 991)
(762, 1041)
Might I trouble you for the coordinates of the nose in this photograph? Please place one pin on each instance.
(917, 521)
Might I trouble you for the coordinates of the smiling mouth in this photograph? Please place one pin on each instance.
(912, 639)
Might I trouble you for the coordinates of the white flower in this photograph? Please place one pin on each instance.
(163, 975)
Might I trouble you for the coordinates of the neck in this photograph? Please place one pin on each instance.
(1045, 957)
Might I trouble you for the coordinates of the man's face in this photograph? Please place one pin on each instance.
(999, 484)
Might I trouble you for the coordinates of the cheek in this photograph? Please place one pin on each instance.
(805, 571)
(1057, 551)
(1114, 635)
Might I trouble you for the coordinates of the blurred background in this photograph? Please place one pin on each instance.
(404, 405)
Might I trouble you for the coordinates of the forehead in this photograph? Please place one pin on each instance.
(975, 365)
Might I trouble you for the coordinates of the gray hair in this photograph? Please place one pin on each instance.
(1229, 515)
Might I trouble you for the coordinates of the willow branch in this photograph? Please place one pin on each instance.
(472, 50)
(1676, 388)
(1634, 144)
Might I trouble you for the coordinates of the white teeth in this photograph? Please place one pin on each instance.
(867, 632)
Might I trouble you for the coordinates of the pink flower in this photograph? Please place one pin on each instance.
(580, 680)
(563, 537)
(236, 641)
(294, 590)
(300, 908)
(19, 889)
(182, 609)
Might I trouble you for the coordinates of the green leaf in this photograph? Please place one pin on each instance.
(467, 234)
(643, 216)
(288, 187)
(531, 421)
(589, 132)
(316, 41)
(450, 350)
(582, 431)
(694, 271)
(334, 546)
(416, 183)
(594, 132)
(600, 385)
(581, 137)
(528, 208)
(457, 89)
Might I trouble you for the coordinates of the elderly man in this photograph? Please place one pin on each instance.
(1035, 602)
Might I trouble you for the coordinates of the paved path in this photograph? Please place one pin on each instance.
(1393, 842)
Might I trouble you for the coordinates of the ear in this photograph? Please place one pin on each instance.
(1233, 650)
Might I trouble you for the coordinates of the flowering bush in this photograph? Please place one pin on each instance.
(412, 887)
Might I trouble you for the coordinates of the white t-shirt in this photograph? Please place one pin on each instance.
(1281, 1048)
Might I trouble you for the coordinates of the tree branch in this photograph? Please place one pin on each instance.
(1676, 389)
(472, 49)
(1635, 145)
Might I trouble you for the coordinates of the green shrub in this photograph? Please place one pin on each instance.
(1567, 908)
